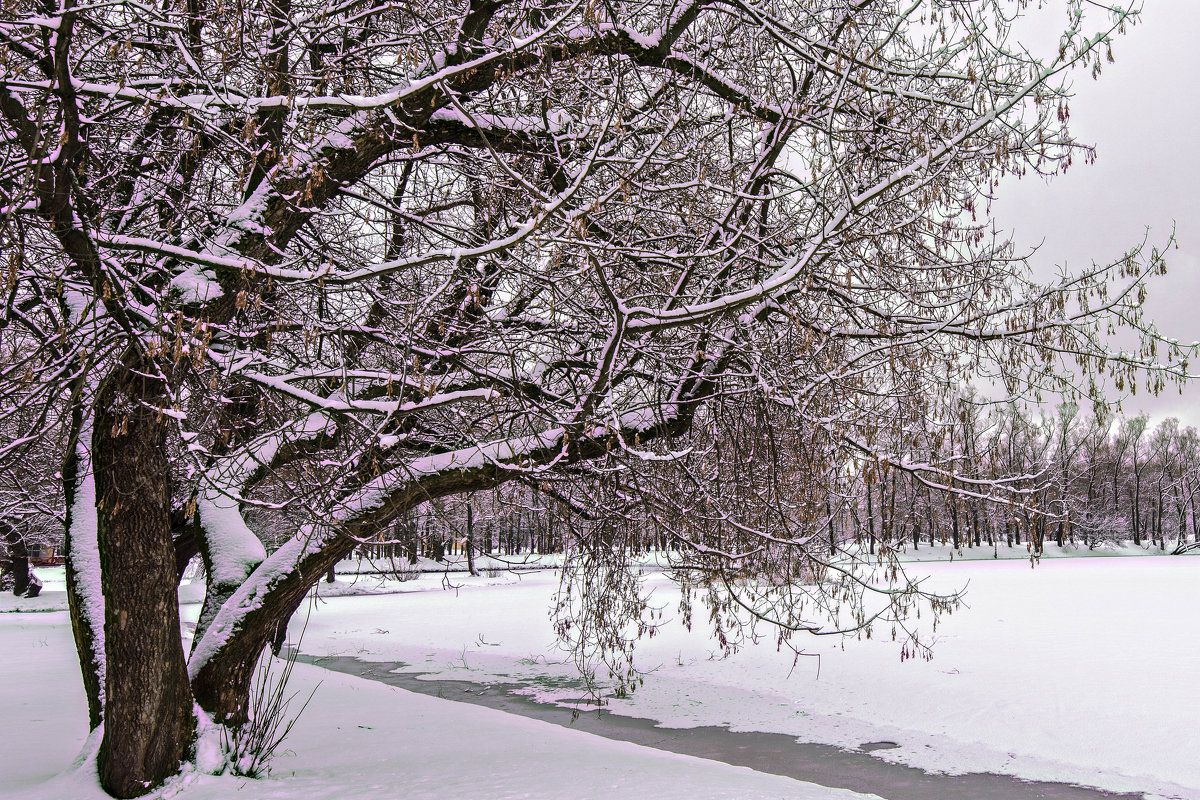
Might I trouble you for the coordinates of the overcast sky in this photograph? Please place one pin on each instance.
(1142, 115)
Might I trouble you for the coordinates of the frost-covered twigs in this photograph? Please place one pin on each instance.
(344, 263)
(600, 613)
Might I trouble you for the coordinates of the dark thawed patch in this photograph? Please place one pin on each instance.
(773, 753)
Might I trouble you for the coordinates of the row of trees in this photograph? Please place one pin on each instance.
(1074, 479)
(277, 274)
(500, 523)
(1081, 480)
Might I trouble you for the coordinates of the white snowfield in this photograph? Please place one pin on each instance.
(1084, 670)
(357, 739)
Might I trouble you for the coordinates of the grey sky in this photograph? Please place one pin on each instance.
(1142, 115)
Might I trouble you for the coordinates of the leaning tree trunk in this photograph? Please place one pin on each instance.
(148, 718)
(223, 659)
(221, 678)
(222, 663)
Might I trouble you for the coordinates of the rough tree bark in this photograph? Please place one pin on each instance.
(148, 717)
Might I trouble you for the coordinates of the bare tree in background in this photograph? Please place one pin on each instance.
(331, 261)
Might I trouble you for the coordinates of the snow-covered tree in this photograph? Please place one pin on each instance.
(330, 261)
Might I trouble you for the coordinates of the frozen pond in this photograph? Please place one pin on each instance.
(763, 752)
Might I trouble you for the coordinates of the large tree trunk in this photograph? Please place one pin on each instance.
(148, 717)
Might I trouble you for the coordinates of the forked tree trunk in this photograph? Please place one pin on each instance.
(148, 717)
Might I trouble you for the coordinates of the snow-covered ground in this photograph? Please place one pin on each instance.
(1083, 669)
(356, 739)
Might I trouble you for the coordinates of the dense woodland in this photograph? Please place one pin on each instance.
(1080, 480)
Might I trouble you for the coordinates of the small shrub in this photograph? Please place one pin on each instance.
(250, 747)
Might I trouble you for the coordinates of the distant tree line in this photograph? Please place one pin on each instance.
(1068, 478)
(998, 476)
